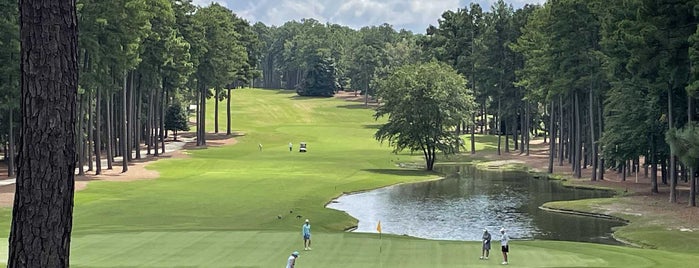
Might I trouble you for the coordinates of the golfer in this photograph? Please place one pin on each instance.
(504, 240)
(486, 245)
(306, 231)
(291, 146)
(291, 262)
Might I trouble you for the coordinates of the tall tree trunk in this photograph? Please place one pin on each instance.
(663, 171)
(366, 92)
(156, 131)
(528, 121)
(116, 125)
(578, 140)
(161, 118)
(515, 133)
(137, 100)
(11, 149)
(42, 218)
(560, 132)
(216, 101)
(692, 188)
(129, 118)
(150, 122)
(507, 136)
(600, 124)
(484, 118)
(228, 113)
(108, 125)
(593, 143)
(202, 115)
(473, 133)
(497, 126)
(654, 167)
(552, 143)
(523, 129)
(673, 160)
(98, 132)
(79, 136)
(198, 117)
(123, 140)
(692, 179)
(89, 129)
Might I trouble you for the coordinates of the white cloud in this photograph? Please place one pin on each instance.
(207, 2)
(414, 15)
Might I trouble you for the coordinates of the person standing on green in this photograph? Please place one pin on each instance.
(486, 245)
(504, 242)
(306, 231)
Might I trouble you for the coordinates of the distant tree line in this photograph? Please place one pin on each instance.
(138, 58)
(605, 80)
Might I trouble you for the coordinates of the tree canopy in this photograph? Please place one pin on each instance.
(423, 103)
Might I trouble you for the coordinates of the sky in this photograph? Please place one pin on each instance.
(414, 15)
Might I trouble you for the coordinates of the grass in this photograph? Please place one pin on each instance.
(651, 231)
(220, 207)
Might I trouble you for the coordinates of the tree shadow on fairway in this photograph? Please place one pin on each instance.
(354, 106)
(372, 126)
(297, 97)
(400, 172)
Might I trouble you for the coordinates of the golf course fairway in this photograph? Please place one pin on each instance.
(221, 206)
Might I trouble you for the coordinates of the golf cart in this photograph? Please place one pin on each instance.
(302, 147)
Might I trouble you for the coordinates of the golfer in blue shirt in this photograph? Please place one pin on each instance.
(306, 231)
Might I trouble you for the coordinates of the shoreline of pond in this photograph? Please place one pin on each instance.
(531, 174)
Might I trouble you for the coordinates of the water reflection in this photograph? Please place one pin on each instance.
(468, 200)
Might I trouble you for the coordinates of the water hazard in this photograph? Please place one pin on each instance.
(468, 200)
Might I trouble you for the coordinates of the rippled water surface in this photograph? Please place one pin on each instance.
(466, 201)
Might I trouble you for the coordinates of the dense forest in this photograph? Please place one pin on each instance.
(606, 83)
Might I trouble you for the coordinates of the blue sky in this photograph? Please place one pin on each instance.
(414, 15)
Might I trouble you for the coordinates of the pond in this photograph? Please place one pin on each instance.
(467, 200)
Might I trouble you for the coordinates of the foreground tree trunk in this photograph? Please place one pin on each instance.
(42, 217)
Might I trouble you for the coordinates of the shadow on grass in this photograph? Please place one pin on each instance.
(400, 172)
(372, 126)
(355, 106)
(297, 97)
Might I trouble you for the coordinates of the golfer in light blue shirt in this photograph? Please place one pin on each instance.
(306, 231)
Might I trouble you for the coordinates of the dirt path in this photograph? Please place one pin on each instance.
(638, 200)
(137, 168)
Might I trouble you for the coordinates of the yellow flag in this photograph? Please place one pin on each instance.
(378, 227)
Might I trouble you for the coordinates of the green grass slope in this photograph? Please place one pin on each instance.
(220, 207)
